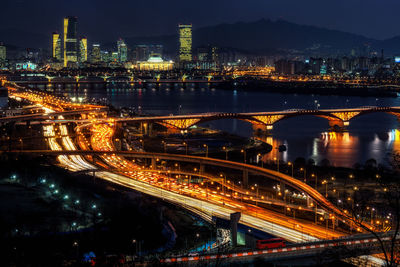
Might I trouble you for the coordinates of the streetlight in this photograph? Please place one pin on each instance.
(226, 152)
(244, 154)
(206, 146)
(256, 186)
(223, 176)
(22, 143)
(305, 177)
(325, 182)
(186, 145)
(142, 142)
(165, 146)
(291, 164)
(316, 180)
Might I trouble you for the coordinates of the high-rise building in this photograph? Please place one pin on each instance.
(83, 51)
(96, 53)
(56, 46)
(3, 55)
(106, 56)
(70, 40)
(122, 51)
(185, 43)
(114, 57)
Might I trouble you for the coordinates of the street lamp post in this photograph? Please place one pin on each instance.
(292, 165)
(186, 146)
(165, 146)
(325, 182)
(316, 180)
(226, 152)
(22, 143)
(244, 154)
(305, 176)
(206, 146)
(224, 184)
(142, 142)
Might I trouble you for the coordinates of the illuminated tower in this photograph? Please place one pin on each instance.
(96, 53)
(70, 40)
(3, 55)
(83, 52)
(122, 51)
(56, 46)
(185, 43)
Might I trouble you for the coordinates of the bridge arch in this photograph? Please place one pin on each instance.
(338, 119)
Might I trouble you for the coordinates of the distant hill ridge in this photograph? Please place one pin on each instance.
(262, 36)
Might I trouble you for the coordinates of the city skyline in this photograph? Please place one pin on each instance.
(134, 133)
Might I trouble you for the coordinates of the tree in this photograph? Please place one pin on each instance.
(325, 163)
(371, 212)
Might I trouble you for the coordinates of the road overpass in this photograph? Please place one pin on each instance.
(48, 116)
(202, 162)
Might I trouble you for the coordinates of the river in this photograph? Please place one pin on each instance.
(369, 136)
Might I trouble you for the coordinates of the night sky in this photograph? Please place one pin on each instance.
(107, 19)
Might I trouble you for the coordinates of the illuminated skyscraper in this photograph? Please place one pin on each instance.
(83, 52)
(56, 46)
(3, 55)
(96, 53)
(122, 51)
(70, 40)
(185, 43)
(114, 57)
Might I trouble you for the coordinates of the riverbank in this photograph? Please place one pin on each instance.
(309, 87)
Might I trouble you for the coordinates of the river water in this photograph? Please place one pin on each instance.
(368, 136)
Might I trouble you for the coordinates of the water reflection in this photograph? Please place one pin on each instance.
(340, 148)
(369, 136)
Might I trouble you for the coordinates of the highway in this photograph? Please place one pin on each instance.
(197, 198)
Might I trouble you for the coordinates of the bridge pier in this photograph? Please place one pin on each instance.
(338, 125)
(153, 163)
(234, 219)
(262, 129)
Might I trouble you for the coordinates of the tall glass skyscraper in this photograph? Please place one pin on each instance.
(3, 55)
(185, 43)
(56, 46)
(70, 40)
(122, 51)
(96, 53)
(83, 50)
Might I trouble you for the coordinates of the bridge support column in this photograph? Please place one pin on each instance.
(338, 125)
(234, 219)
(153, 163)
(262, 129)
(245, 179)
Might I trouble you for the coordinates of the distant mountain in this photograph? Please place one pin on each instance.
(264, 36)
(391, 45)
